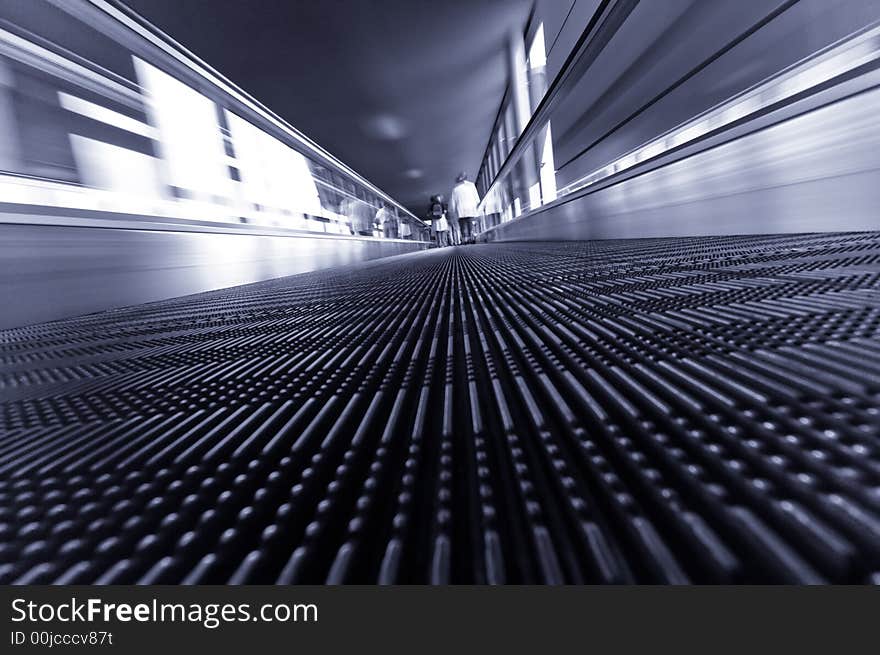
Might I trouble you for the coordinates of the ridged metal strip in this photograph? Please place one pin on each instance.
(664, 410)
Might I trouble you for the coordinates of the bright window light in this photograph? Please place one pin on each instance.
(537, 52)
(189, 135)
(548, 168)
(535, 195)
(273, 175)
(132, 175)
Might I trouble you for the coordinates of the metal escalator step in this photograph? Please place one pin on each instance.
(660, 410)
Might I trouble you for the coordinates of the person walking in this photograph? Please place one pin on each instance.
(386, 222)
(463, 206)
(439, 224)
(360, 215)
(405, 229)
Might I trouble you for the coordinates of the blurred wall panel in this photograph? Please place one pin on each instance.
(564, 20)
(9, 155)
(819, 171)
(639, 87)
(686, 117)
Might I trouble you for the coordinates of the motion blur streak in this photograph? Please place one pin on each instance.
(99, 128)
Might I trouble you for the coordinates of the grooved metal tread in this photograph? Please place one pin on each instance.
(665, 411)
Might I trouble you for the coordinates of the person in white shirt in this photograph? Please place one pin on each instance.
(463, 205)
(405, 229)
(386, 223)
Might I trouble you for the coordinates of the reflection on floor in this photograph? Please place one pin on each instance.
(50, 272)
(665, 410)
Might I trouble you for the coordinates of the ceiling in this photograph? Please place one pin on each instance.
(403, 91)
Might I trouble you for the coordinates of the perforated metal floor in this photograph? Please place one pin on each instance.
(667, 410)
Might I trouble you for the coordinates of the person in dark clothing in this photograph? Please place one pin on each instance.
(439, 224)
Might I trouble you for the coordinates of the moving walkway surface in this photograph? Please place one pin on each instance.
(657, 410)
